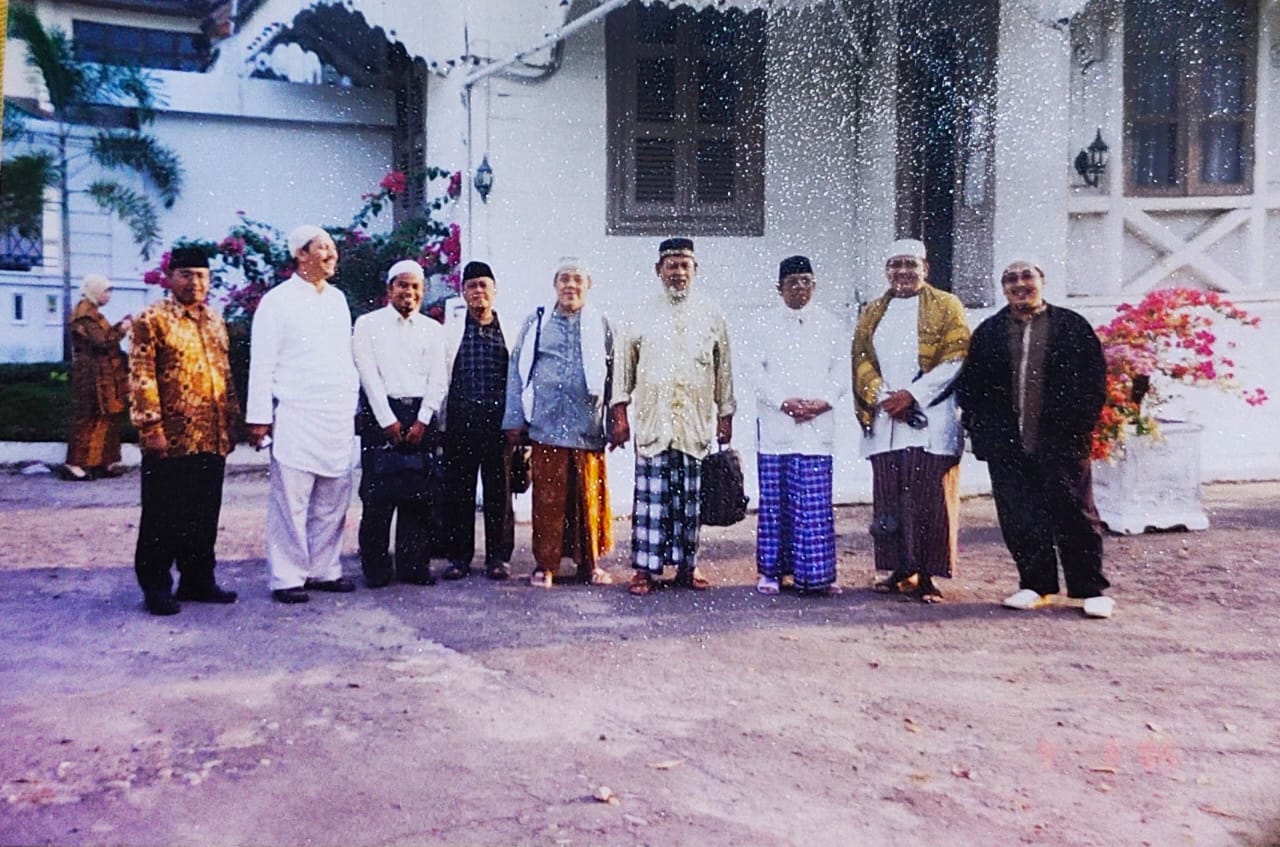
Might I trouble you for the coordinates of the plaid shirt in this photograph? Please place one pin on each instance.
(480, 368)
(180, 378)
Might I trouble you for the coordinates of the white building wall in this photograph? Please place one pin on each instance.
(826, 196)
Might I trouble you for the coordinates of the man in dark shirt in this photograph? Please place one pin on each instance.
(477, 365)
(1031, 393)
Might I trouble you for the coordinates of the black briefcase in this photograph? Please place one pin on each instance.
(723, 501)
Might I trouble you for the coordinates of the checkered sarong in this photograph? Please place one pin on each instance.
(796, 530)
(665, 518)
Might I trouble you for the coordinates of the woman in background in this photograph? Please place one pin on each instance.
(99, 382)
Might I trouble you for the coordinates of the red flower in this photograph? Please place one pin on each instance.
(1166, 334)
(455, 184)
(394, 182)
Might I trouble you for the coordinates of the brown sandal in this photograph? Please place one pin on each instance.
(897, 582)
(692, 578)
(641, 584)
(929, 593)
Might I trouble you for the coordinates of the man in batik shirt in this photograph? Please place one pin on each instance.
(185, 409)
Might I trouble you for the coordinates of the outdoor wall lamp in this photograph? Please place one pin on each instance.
(484, 179)
(1090, 162)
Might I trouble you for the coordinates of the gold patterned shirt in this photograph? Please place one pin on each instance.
(180, 378)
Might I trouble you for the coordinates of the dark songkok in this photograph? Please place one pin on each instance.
(676, 247)
(477, 269)
(188, 257)
(794, 265)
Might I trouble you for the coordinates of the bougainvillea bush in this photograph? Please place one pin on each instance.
(253, 257)
(1153, 347)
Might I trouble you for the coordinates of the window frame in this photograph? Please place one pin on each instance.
(1190, 116)
(743, 215)
(99, 41)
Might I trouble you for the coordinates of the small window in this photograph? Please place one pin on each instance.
(686, 121)
(110, 44)
(52, 309)
(19, 308)
(1189, 96)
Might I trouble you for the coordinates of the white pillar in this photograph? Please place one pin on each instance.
(1032, 135)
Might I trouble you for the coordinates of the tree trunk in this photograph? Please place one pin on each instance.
(64, 202)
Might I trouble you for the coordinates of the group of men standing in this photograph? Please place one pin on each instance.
(436, 406)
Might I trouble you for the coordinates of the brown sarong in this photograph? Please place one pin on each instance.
(571, 514)
(916, 494)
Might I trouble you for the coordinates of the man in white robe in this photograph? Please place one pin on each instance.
(303, 390)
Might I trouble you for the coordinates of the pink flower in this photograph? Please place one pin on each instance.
(232, 246)
(455, 184)
(451, 246)
(394, 182)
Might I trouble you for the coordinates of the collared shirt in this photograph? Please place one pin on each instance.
(180, 378)
(565, 413)
(1028, 341)
(480, 366)
(401, 357)
(897, 347)
(302, 378)
(800, 353)
(675, 371)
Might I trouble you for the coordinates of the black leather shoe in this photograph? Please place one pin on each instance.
(290, 595)
(161, 603)
(378, 582)
(419, 579)
(341, 585)
(456, 570)
(212, 594)
(497, 570)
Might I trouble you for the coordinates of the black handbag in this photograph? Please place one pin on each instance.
(723, 500)
(520, 475)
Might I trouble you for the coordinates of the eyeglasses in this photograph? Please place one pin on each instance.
(798, 282)
(899, 264)
(1026, 275)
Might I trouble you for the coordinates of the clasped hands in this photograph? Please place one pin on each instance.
(396, 435)
(803, 411)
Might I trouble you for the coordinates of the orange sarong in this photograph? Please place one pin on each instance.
(571, 514)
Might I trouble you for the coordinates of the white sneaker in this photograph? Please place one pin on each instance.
(767, 585)
(1025, 600)
(1099, 607)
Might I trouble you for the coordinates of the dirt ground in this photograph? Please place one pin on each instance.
(482, 713)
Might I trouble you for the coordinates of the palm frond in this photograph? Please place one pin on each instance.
(49, 51)
(133, 209)
(23, 180)
(144, 154)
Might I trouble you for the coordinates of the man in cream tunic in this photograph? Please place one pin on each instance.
(303, 389)
(674, 368)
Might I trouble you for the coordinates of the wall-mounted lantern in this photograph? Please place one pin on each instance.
(1091, 161)
(484, 179)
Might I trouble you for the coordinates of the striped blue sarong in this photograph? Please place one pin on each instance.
(665, 517)
(796, 528)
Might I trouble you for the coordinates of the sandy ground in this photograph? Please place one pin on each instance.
(481, 713)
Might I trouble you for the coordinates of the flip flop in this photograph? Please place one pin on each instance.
(641, 584)
(897, 583)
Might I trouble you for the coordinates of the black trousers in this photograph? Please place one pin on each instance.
(1048, 517)
(181, 502)
(416, 521)
(473, 443)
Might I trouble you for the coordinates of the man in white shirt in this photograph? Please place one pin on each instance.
(399, 353)
(800, 368)
(302, 392)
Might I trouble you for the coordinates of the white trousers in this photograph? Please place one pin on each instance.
(305, 517)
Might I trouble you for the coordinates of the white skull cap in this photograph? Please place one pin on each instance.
(300, 236)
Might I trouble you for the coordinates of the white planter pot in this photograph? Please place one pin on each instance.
(1155, 485)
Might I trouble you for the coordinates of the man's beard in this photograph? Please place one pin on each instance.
(677, 295)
